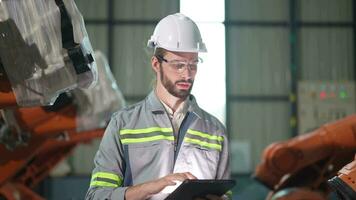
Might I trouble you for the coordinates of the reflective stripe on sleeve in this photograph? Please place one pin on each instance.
(105, 179)
(103, 184)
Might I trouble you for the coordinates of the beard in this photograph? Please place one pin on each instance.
(171, 87)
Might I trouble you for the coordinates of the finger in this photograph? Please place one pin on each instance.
(175, 177)
(165, 181)
(181, 176)
(169, 182)
(190, 175)
(178, 177)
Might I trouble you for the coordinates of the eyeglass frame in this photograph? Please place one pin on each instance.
(186, 65)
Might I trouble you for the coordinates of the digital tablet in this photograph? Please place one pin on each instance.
(191, 189)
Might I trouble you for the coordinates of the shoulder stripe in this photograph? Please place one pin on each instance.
(105, 179)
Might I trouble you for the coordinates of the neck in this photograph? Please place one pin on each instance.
(170, 100)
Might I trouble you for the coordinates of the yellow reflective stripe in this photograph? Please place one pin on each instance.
(203, 143)
(103, 184)
(106, 175)
(146, 139)
(205, 135)
(145, 130)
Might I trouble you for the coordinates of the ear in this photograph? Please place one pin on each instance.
(155, 64)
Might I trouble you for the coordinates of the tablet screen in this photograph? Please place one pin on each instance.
(191, 189)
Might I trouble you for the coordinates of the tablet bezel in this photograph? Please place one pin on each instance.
(193, 188)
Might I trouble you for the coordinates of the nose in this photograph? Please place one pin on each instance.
(187, 73)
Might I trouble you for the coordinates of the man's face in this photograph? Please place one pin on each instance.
(178, 83)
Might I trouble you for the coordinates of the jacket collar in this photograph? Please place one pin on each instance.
(156, 106)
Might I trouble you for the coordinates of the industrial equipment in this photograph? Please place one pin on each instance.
(299, 168)
(55, 92)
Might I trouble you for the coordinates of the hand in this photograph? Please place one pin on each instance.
(146, 190)
(210, 197)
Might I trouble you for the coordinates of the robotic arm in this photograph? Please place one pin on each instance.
(309, 160)
(33, 140)
(44, 52)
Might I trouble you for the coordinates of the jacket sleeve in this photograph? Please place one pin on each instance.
(107, 176)
(224, 164)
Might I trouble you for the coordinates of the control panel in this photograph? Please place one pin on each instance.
(322, 102)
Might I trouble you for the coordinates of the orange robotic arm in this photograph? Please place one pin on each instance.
(24, 166)
(309, 160)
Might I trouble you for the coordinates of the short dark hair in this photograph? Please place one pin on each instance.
(160, 53)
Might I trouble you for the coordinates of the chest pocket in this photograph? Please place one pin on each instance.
(200, 161)
(144, 147)
(140, 142)
(211, 155)
(205, 151)
(142, 155)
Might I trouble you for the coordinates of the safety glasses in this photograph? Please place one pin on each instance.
(180, 66)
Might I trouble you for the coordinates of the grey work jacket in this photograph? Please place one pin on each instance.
(139, 146)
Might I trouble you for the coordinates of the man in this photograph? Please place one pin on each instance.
(166, 138)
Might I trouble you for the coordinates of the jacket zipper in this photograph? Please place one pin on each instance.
(174, 135)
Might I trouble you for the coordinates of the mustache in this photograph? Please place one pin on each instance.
(185, 81)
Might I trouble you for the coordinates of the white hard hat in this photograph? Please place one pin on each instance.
(177, 32)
